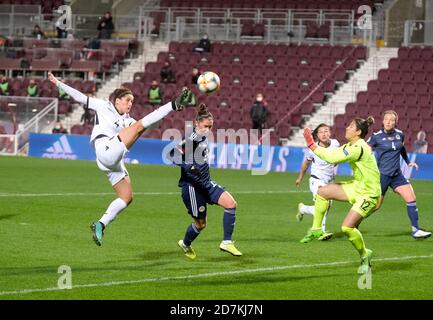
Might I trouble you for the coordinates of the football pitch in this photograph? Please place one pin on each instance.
(46, 207)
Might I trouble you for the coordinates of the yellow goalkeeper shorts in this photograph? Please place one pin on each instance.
(361, 203)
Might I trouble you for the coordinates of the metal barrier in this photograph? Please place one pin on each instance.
(417, 32)
(12, 144)
(182, 24)
(20, 24)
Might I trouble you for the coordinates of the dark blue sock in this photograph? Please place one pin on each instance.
(412, 212)
(229, 222)
(191, 233)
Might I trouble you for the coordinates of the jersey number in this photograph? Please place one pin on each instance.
(393, 146)
(365, 204)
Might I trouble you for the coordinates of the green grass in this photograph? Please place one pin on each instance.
(40, 233)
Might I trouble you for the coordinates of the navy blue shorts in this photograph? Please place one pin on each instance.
(393, 182)
(196, 199)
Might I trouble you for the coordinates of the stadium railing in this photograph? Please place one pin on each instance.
(229, 24)
(415, 34)
(26, 115)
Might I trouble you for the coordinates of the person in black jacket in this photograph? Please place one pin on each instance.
(167, 74)
(203, 45)
(259, 112)
(106, 26)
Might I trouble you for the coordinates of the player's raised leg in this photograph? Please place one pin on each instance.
(131, 134)
(321, 206)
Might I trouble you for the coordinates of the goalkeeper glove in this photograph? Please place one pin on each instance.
(309, 139)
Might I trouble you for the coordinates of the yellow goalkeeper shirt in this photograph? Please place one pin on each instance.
(360, 156)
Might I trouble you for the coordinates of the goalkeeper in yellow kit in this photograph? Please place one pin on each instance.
(363, 192)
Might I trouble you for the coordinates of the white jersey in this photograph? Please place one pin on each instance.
(108, 121)
(320, 169)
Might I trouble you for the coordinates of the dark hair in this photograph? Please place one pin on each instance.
(119, 94)
(363, 125)
(315, 131)
(203, 113)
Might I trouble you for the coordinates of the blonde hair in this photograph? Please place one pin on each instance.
(391, 112)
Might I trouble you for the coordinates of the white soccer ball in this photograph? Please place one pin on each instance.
(208, 82)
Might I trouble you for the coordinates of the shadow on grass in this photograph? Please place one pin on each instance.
(395, 234)
(391, 266)
(266, 279)
(8, 216)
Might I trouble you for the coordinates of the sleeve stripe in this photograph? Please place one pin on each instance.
(362, 152)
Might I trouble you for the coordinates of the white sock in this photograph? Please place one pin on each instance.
(113, 210)
(308, 210)
(324, 222)
(156, 115)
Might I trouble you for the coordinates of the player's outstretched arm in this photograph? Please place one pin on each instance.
(75, 94)
(304, 169)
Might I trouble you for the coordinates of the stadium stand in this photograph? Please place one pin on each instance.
(250, 68)
(63, 55)
(405, 87)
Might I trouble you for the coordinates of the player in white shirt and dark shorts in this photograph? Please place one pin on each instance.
(322, 173)
(114, 133)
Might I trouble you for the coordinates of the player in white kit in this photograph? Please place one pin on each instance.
(322, 173)
(114, 133)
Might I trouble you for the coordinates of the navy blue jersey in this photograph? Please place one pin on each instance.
(389, 146)
(195, 165)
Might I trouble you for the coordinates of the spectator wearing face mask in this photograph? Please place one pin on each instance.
(259, 112)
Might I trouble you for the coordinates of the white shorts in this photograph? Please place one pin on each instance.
(315, 184)
(109, 158)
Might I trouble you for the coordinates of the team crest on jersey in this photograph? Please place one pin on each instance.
(397, 137)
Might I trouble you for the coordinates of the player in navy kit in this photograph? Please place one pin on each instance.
(389, 146)
(198, 189)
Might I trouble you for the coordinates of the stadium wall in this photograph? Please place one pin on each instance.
(259, 159)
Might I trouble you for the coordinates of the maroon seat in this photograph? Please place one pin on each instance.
(77, 129)
(86, 66)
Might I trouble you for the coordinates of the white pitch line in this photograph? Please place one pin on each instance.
(91, 194)
(208, 275)
(80, 194)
